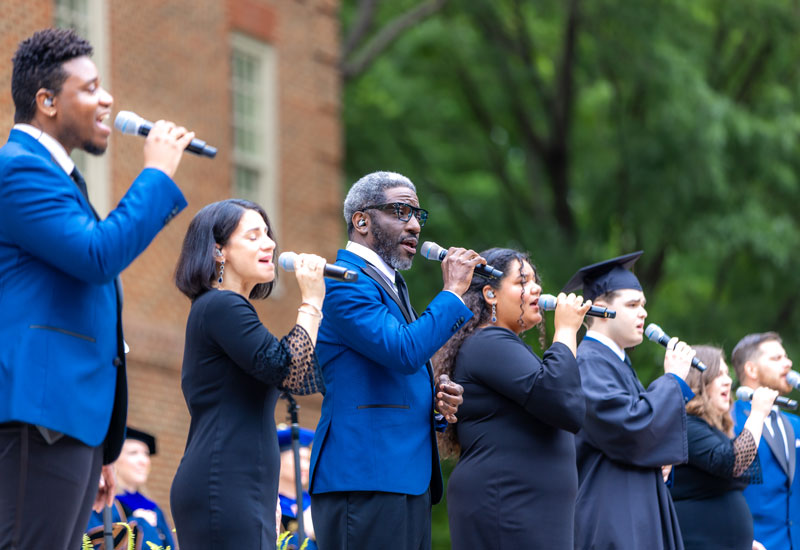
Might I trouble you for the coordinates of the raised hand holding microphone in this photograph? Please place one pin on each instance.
(548, 302)
(763, 398)
(287, 261)
(432, 251)
(164, 146)
(309, 270)
(657, 335)
(458, 268)
(570, 311)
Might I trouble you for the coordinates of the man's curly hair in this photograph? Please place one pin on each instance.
(38, 63)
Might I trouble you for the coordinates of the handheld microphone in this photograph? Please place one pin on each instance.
(129, 122)
(654, 333)
(745, 393)
(793, 377)
(432, 251)
(286, 261)
(548, 303)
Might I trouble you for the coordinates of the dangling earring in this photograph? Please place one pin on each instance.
(494, 313)
(221, 271)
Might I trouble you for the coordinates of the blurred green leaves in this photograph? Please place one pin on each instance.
(581, 130)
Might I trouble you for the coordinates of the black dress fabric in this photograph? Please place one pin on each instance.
(515, 483)
(707, 493)
(226, 487)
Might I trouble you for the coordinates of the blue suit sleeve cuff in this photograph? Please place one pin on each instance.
(687, 392)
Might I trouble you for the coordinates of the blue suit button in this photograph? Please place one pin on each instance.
(455, 327)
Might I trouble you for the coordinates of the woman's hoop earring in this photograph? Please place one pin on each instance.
(494, 313)
(221, 271)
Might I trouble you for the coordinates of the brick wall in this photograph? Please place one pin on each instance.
(170, 60)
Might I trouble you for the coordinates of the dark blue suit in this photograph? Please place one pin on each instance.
(61, 360)
(376, 431)
(774, 503)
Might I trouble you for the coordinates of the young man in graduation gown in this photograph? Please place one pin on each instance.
(629, 432)
(761, 360)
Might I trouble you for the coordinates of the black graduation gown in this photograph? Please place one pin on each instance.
(515, 483)
(627, 435)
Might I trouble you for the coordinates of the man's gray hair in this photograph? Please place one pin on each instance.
(369, 191)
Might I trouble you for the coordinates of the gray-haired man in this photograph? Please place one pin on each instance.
(374, 462)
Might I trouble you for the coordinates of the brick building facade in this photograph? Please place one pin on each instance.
(175, 60)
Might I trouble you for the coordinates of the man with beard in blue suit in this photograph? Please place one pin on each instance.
(761, 360)
(375, 462)
(63, 392)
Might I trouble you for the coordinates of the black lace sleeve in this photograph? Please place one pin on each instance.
(714, 452)
(304, 376)
(289, 363)
(746, 465)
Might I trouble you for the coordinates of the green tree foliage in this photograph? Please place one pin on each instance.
(581, 130)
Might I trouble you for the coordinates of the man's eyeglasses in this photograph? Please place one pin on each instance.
(403, 211)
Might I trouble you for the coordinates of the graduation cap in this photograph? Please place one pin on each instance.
(144, 437)
(285, 438)
(607, 276)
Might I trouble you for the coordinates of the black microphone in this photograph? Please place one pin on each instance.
(654, 333)
(286, 261)
(745, 393)
(548, 303)
(432, 251)
(128, 122)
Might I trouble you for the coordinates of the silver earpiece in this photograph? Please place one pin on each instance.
(217, 252)
(490, 293)
(361, 223)
(48, 102)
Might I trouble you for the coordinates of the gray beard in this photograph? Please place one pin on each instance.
(389, 251)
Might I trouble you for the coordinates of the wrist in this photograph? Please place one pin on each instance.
(310, 309)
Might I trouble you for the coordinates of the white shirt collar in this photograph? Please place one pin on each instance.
(372, 257)
(51, 144)
(606, 341)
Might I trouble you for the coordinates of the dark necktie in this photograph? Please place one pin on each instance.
(80, 182)
(778, 435)
(402, 290)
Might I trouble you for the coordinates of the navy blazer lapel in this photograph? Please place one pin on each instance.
(373, 274)
(410, 316)
(777, 449)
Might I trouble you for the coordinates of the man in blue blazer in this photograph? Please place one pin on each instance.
(761, 360)
(374, 464)
(63, 394)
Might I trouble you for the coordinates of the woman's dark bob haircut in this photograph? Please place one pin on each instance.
(213, 225)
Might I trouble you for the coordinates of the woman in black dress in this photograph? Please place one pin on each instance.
(515, 482)
(225, 491)
(707, 491)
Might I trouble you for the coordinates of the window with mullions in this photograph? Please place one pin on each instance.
(255, 120)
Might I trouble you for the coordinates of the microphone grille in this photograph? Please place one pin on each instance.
(127, 122)
(793, 378)
(430, 250)
(286, 260)
(547, 302)
(743, 393)
(653, 332)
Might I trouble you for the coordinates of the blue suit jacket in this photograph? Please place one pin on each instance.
(58, 294)
(376, 431)
(775, 503)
